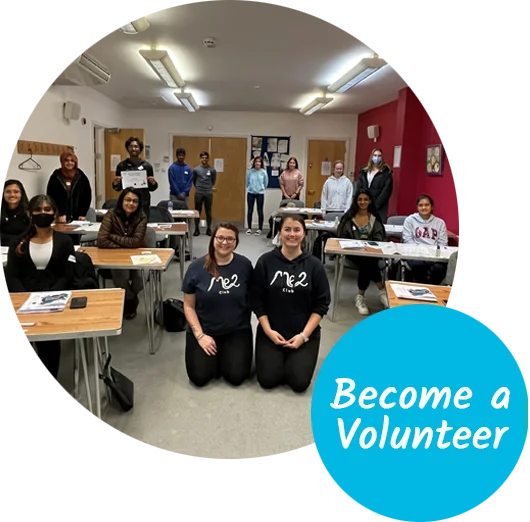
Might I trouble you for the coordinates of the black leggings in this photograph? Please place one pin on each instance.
(251, 198)
(232, 361)
(276, 365)
(50, 354)
(425, 272)
(368, 271)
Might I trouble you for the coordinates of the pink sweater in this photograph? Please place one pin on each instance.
(291, 181)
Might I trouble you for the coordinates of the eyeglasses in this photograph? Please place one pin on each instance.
(227, 240)
(131, 201)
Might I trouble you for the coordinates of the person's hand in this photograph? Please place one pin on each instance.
(82, 218)
(62, 219)
(276, 337)
(116, 180)
(181, 197)
(151, 180)
(208, 345)
(295, 342)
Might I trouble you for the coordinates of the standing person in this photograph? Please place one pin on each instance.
(376, 176)
(337, 191)
(256, 183)
(361, 222)
(135, 147)
(42, 260)
(124, 227)
(291, 180)
(14, 216)
(204, 177)
(290, 296)
(180, 178)
(217, 307)
(424, 228)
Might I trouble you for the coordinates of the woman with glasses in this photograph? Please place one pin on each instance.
(125, 227)
(217, 308)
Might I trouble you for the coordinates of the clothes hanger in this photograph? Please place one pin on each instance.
(33, 165)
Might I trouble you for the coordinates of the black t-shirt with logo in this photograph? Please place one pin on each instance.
(223, 304)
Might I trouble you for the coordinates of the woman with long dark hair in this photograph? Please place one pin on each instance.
(291, 180)
(14, 217)
(42, 260)
(124, 227)
(217, 308)
(290, 296)
(376, 176)
(362, 222)
(257, 182)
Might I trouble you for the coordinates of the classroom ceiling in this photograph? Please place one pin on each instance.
(267, 58)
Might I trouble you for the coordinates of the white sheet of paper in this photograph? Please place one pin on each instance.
(4, 249)
(351, 243)
(219, 164)
(275, 173)
(114, 160)
(283, 146)
(325, 170)
(134, 178)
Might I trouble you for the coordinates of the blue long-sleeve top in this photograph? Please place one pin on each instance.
(257, 181)
(180, 179)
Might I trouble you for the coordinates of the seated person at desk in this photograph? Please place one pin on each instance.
(217, 308)
(424, 228)
(363, 223)
(14, 220)
(290, 295)
(337, 191)
(39, 261)
(125, 227)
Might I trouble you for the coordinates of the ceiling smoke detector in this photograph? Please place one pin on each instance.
(209, 42)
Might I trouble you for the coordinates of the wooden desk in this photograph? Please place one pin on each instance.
(120, 259)
(441, 293)
(102, 317)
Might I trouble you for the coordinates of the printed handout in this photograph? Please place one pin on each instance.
(283, 146)
(272, 145)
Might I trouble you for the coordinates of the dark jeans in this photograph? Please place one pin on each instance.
(368, 271)
(425, 272)
(276, 365)
(232, 361)
(207, 200)
(251, 198)
(49, 353)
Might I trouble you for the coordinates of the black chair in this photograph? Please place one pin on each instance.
(110, 203)
(177, 204)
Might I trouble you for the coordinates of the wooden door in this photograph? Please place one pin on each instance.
(193, 145)
(318, 152)
(115, 145)
(229, 191)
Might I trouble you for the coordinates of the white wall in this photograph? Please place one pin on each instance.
(161, 125)
(47, 124)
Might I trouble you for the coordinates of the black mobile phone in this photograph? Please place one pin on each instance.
(78, 302)
(373, 243)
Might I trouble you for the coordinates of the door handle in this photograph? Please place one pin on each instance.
(310, 192)
(214, 189)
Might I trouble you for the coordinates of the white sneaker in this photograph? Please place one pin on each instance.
(361, 305)
(383, 297)
(249, 232)
(258, 232)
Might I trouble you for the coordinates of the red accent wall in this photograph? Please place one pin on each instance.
(485, 134)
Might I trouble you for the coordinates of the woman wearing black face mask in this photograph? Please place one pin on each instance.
(39, 261)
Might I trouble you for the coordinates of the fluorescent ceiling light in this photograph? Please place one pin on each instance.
(138, 26)
(94, 68)
(165, 69)
(315, 105)
(187, 100)
(360, 72)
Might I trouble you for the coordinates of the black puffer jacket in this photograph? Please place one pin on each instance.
(74, 203)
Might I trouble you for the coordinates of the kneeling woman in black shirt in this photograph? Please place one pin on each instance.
(290, 296)
(217, 308)
(42, 260)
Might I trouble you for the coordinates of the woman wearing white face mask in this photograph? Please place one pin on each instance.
(377, 178)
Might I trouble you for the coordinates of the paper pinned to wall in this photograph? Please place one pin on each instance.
(275, 172)
(326, 168)
(166, 159)
(114, 160)
(157, 167)
(148, 152)
(283, 146)
(219, 164)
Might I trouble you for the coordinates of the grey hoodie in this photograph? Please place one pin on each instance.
(430, 232)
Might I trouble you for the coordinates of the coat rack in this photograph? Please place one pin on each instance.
(30, 163)
(41, 148)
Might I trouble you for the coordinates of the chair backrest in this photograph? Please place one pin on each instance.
(150, 238)
(317, 204)
(291, 203)
(330, 216)
(396, 220)
(451, 268)
(110, 203)
(177, 205)
(91, 215)
(160, 215)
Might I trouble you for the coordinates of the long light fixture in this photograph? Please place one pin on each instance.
(165, 69)
(315, 105)
(360, 72)
(187, 100)
(94, 68)
(138, 26)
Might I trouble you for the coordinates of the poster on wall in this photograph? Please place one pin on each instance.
(434, 160)
(114, 161)
(273, 150)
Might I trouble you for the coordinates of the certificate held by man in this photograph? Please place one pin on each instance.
(134, 178)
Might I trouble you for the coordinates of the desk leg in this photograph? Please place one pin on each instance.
(95, 345)
(148, 309)
(190, 238)
(85, 374)
(160, 299)
(339, 266)
(182, 258)
(76, 369)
